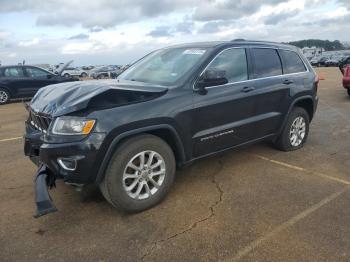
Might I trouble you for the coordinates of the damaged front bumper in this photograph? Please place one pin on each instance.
(44, 180)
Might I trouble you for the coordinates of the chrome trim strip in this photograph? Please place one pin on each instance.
(249, 80)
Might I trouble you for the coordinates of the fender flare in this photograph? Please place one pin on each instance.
(116, 140)
(306, 97)
(7, 89)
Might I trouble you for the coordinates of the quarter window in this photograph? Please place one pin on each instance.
(266, 62)
(13, 72)
(233, 62)
(292, 62)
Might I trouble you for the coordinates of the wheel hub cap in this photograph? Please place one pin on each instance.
(297, 131)
(144, 174)
(3, 97)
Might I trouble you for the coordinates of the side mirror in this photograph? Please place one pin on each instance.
(211, 77)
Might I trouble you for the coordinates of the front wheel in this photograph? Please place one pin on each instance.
(348, 91)
(4, 96)
(295, 132)
(140, 174)
(83, 74)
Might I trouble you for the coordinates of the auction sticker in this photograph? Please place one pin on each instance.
(194, 52)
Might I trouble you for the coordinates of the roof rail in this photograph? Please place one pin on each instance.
(238, 40)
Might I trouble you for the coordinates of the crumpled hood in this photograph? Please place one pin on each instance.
(64, 98)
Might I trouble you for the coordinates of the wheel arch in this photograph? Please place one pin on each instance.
(165, 132)
(7, 89)
(306, 102)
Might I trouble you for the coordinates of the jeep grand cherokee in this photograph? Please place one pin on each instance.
(173, 106)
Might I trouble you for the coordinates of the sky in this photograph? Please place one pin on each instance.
(119, 32)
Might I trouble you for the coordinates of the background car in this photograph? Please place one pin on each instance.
(22, 81)
(319, 61)
(346, 79)
(104, 72)
(74, 71)
(332, 62)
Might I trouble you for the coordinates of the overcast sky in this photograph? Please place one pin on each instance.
(118, 32)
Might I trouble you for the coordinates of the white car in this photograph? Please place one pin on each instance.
(73, 71)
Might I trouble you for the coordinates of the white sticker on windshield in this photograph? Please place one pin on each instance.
(194, 52)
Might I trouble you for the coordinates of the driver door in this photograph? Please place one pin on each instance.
(224, 115)
(38, 78)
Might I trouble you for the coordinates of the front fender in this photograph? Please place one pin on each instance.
(116, 141)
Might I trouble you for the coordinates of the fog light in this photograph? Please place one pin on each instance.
(67, 163)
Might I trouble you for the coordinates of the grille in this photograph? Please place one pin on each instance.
(39, 121)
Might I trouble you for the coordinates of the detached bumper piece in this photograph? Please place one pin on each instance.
(43, 200)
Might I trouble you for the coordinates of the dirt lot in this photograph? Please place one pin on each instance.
(255, 204)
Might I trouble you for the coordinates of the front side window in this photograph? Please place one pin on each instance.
(233, 62)
(292, 62)
(36, 72)
(13, 72)
(166, 66)
(266, 62)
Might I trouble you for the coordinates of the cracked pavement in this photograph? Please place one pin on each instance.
(251, 204)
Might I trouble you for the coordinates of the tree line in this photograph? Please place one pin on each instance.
(326, 44)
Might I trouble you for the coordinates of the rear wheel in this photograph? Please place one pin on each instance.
(140, 174)
(4, 96)
(66, 75)
(83, 74)
(295, 132)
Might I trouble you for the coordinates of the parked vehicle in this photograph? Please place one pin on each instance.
(319, 61)
(74, 71)
(346, 79)
(172, 107)
(332, 62)
(344, 62)
(103, 72)
(22, 81)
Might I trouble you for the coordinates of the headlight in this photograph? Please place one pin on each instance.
(72, 126)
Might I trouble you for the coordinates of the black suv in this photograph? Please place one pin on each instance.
(170, 108)
(22, 81)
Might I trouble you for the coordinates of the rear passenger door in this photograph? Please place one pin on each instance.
(272, 90)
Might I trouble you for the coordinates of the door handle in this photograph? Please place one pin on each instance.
(288, 82)
(248, 89)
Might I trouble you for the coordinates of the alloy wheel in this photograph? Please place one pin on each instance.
(3, 97)
(297, 131)
(144, 175)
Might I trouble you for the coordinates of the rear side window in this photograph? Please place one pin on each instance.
(234, 62)
(266, 62)
(292, 62)
(13, 72)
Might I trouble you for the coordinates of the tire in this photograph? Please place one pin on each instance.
(114, 185)
(66, 75)
(348, 91)
(4, 96)
(83, 74)
(288, 141)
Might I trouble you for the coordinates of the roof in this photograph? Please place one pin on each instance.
(238, 42)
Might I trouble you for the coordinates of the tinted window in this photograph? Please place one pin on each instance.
(233, 62)
(13, 72)
(292, 62)
(266, 62)
(36, 72)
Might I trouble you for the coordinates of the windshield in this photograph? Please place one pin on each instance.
(164, 67)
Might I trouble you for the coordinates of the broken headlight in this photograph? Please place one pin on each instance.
(72, 126)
